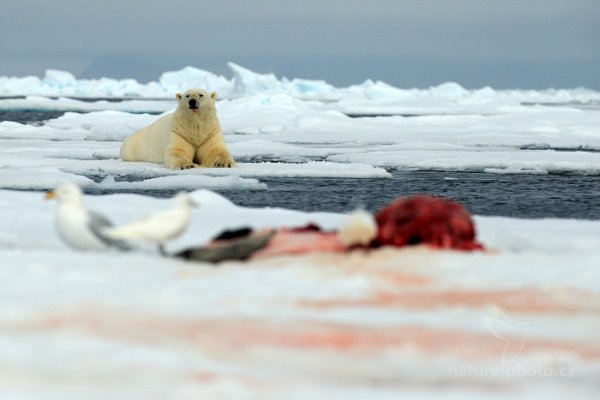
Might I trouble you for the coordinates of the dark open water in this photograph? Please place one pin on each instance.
(527, 196)
(531, 196)
(29, 117)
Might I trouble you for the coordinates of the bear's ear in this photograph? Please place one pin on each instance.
(213, 95)
(178, 96)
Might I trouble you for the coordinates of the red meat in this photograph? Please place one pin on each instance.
(437, 222)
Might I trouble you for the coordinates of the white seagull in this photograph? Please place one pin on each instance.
(78, 227)
(160, 227)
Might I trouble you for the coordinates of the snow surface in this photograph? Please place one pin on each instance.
(516, 321)
(137, 325)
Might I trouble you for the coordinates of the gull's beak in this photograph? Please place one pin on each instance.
(50, 195)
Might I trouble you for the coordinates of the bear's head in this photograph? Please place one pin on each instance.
(196, 99)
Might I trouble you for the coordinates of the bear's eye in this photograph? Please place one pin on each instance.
(187, 96)
(201, 95)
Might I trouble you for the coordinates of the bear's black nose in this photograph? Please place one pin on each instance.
(193, 103)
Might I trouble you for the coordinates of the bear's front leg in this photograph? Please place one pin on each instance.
(178, 156)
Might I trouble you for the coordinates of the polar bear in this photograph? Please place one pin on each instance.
(188, 138)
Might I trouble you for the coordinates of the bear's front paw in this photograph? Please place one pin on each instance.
(224, 162)
(188, 166)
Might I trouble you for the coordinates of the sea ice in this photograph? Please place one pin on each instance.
(518, 319)
(245, 82)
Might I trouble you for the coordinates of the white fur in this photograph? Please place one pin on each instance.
(359, 228)
(188, 138)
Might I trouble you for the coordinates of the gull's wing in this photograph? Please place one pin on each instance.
(97, 224)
